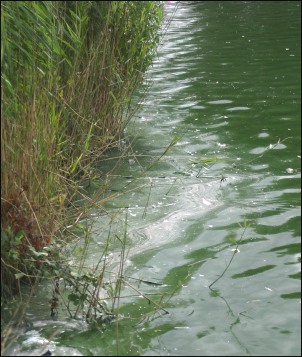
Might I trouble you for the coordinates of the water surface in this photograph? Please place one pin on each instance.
(226, 83)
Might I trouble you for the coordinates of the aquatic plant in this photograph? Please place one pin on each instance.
(69, 71)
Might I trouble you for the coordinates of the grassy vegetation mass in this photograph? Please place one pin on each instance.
(69, 72)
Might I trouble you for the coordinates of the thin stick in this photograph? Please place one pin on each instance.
(148, 198)
(235, 251)
(143, 281)
(144, 295)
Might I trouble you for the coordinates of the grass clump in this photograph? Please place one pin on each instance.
(69, 71)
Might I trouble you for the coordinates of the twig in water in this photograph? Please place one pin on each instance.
(235, 251)
(147, 298)
(143, 281)
(148, 198)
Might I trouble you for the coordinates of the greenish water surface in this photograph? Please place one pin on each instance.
(226, 83)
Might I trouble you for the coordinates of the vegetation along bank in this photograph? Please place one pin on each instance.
(69, 72)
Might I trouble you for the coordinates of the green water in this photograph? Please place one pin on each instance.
(226, 82)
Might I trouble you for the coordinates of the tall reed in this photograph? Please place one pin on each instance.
(69, 71)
